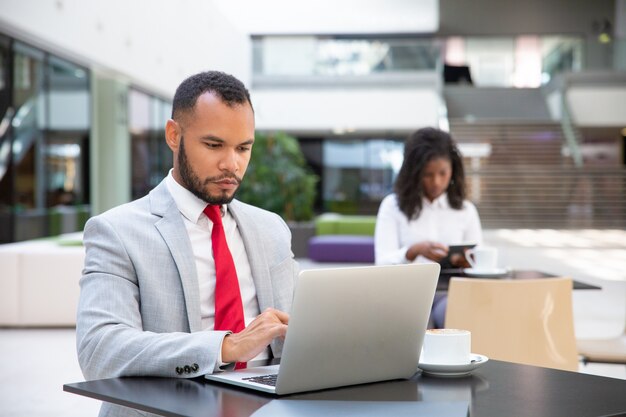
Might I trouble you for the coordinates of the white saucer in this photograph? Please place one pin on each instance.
(485, 273)
(454, 370)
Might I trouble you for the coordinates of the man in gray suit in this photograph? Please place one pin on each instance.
(147, 302)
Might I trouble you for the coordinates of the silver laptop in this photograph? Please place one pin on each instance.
(348, 326)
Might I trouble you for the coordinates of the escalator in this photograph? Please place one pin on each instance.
(18, 138)
(29, 206)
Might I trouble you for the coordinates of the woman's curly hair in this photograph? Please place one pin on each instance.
(421, 147)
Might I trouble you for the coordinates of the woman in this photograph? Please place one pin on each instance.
(428, 210)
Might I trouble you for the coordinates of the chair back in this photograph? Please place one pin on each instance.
(523, 321)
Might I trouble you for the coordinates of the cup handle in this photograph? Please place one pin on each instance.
(469, 255)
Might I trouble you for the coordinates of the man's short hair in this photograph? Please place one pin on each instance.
(227, 88)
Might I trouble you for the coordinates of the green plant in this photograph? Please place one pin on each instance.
(278, 178)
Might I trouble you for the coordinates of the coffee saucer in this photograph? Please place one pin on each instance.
(454, 370)
(485, 273)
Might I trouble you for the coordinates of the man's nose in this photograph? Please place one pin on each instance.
(229, 161)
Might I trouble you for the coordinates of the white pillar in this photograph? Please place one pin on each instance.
(110, 157)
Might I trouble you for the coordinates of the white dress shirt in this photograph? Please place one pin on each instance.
(437, 222)
(199, 229)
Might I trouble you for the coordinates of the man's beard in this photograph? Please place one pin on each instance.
(197, 186)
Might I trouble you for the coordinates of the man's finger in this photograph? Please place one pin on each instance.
(282, 316)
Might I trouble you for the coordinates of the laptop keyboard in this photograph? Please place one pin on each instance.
(263, 379)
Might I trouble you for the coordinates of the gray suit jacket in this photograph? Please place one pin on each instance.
(139, 307)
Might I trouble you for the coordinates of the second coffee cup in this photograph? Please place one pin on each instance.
(483, 257)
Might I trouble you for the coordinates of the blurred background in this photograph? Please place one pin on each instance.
(534, 92)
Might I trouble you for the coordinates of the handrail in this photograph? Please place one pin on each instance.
(443, 121)
(15, 120)
(553, 58)
(442, 114)
(570, 132)
(23, 112)
(5, 145)
(6, 121)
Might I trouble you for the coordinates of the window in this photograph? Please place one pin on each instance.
(359, 173)
(44, 139)
(151, 157)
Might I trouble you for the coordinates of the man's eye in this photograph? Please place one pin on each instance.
(244, 148)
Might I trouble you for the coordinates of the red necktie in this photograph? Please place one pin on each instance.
(228, 305)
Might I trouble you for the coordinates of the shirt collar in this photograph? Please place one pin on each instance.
(190, 206)
(440, 202)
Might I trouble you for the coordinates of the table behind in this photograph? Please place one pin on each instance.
(516, 274)
(496, 389)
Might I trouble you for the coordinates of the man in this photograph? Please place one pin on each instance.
(154, 300)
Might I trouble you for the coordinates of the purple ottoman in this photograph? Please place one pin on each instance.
(341, 248)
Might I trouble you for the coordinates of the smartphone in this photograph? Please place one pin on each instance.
(452, 249)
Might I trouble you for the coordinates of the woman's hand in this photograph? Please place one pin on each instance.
(459, 260)
(432, 250)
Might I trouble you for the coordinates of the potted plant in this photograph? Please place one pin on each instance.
(278, 179)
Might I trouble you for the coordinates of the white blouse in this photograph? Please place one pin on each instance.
(437, 222)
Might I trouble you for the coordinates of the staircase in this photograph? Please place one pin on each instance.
(525, 180)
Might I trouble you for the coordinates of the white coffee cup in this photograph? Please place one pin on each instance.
(446, 347)
(483, 258)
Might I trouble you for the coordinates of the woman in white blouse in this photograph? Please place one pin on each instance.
(428, 210)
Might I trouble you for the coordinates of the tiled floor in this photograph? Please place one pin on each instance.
(35, 363)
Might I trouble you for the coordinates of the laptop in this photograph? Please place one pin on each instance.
(348, 326)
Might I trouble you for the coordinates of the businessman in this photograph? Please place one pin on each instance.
(187, 279)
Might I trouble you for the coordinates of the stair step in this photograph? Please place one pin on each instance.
(527, 182)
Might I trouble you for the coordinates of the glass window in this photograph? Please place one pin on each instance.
(68, 96)
(165, 153)
(44, 139)
(522, 61)
(6, 182)
(151, 157)
(162, 153)
(504, 61)
(5, 70)
(560, 54)
(64, 154)
(65, 163)
(491, 61)
(139, 123)
(29, 105)
(359, 173)
(313, 56)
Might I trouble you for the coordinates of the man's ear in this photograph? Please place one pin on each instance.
(173, 133)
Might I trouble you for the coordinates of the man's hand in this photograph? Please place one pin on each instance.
(245, 345)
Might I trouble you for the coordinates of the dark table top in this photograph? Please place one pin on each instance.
(446, 274)
(495, 389)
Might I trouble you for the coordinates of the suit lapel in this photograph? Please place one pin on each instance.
(258, 262)
(173, 232)
(254, 249)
